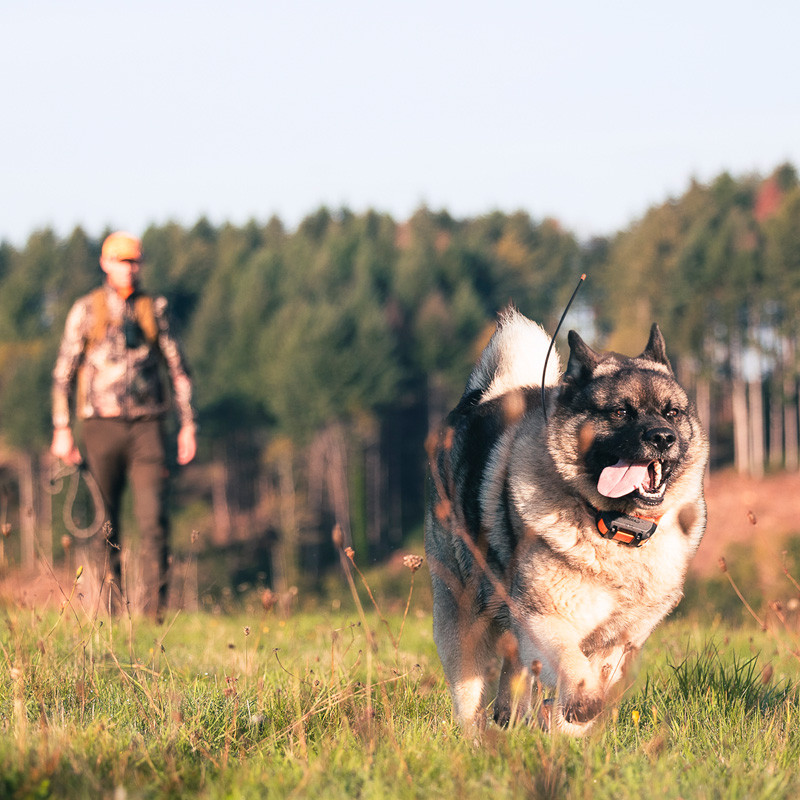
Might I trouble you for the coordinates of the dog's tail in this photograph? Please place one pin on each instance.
(514, 358)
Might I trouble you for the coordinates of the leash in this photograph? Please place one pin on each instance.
(74, 473)
(553, 341)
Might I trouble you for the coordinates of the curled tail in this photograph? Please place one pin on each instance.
(513, 359)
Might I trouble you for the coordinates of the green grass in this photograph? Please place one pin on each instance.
(305, 707)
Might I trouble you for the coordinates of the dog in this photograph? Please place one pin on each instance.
(560, 523)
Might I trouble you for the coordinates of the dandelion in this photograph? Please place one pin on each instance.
(412, 562)
(79, 572)
(635, 717)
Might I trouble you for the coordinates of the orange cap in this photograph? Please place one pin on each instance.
(122, 246)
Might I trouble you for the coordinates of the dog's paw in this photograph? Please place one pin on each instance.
(582, 710)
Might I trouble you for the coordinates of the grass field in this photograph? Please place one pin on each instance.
(335, 701)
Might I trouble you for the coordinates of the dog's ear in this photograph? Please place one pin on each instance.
(582, 360)
(656, 350)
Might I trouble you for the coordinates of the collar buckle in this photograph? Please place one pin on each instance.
(625, 529)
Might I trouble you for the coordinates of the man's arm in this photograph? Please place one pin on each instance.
(69, 356)
(181, 384)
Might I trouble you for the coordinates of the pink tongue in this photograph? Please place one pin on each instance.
(622, 478)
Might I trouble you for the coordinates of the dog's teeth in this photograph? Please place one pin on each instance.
(657, 473)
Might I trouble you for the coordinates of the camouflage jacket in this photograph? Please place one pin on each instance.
(117, 363)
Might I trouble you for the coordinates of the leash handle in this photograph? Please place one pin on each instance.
(74, 474)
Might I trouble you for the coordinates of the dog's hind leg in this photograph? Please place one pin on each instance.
(465, 642)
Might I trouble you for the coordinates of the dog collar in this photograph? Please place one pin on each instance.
(625, 528)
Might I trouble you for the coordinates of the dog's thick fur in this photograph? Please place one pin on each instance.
(518, 564)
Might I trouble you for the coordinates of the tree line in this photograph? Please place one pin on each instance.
(324, 356)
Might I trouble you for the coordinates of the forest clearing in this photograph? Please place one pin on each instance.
(344, 697)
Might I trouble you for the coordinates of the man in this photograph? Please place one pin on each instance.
(116, 344)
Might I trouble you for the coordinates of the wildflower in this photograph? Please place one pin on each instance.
(79, 572)
(338, 536)
(412, 562)
(442, 510)
(350, 553)
(268, 599)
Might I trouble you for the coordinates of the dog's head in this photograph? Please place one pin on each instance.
(623, 432)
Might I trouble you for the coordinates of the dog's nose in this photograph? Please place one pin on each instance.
(661, 438)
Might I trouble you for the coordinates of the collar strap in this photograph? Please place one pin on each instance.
(625, 529)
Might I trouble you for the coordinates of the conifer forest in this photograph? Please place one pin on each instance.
(325, 355)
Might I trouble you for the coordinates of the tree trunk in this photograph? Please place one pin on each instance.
(740, 426)
(776, 405)
(286, 551)
(45, 514)
(790, 409)
(336, 478)
(219, 496)
(756, 430)
(27, 511)
(374, 492)
(703, 404)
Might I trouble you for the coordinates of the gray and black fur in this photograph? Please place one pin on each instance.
(519, 567)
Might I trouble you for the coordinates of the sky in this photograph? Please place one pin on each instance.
(126, 114)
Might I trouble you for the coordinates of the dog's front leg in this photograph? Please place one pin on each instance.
(513, 701)
(580, 682)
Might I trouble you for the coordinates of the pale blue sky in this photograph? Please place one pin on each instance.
(122, 114)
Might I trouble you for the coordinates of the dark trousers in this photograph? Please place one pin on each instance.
(118, 451)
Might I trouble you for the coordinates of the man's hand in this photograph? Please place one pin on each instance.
(63, 447)
(187, 444)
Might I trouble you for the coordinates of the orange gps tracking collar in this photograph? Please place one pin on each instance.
(625, 529)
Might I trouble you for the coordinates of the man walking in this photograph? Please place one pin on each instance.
(116, 344)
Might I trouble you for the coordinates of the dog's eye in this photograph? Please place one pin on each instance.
(619, 413)
(672, 413)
